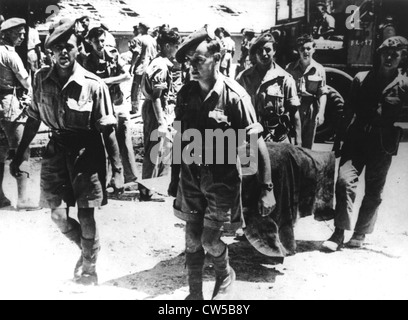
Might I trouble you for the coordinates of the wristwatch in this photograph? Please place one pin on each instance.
(267, 186)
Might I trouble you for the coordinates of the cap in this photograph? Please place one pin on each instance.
(396, 42)
(144, 25)
(194, 39)
(321, 3)
(260, 41)
(12, 23)
(249, 31)
(62, 31)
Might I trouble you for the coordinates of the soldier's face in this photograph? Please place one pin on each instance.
(98, 43)
(17, 36)
(265, 54)
(203, 65)
(307, 51)
(65, 52)
(391, 59)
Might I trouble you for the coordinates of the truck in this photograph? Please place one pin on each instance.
(361, 26)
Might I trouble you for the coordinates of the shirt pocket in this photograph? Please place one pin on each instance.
(273, 106)
(78, 113)
(313, 83)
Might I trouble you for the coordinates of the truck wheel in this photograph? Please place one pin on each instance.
(334, 111)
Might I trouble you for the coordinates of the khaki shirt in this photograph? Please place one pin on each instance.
(276, 90)
(310, 83)
(11, 65)
(81, 106)
(158, 76)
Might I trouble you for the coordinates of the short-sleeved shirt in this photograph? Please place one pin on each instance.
(33, 38)
(158, 75)
(146, 47)
(211, 193)
(11, 65)
(110, 65)
(310, 83)
(82, 105)
(277, 89)
(227, 104)
(275, 98)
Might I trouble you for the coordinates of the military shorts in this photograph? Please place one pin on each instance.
(74, 175)
(210, 195)
(10, 137)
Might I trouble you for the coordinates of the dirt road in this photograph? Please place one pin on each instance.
(142, 255)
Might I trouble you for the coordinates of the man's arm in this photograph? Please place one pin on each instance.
(112, 148)
(122, 77)
(158, 111)
(297, 128)
(30, 130)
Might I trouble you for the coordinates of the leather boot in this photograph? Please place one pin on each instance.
(90, 250)
(195, 265)
(225, 277)
(75, 236)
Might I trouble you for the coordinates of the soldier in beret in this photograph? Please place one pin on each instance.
(208, 195)
(14, 82)
(144, 50)
(370, 142)
(273, 92)
(310, 78)
(76, 106)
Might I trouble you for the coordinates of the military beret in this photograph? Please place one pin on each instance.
(144, 25)
(12, 23)
(62, 31)
(396, 42)
(321, 3)
(260, 41)
(194, 39)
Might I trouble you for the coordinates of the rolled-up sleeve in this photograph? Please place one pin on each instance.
(323, 89)
(103, 113)
(16, 64)
(291, 96)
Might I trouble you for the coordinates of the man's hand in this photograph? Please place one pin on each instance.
(320, 119)
(267, 203)
(173, 187)
(117, 182)
(254, 129)
(15, 169)
(163, 130)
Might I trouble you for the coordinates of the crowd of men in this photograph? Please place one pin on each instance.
(77, 93)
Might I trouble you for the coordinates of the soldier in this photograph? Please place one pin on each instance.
(145, 50)
(273, 93)
(227, 50)
(76, 106)
(209, 195)
(310, 78)
(325, 24)
(105, 63)
(14, 80)
(376, 100)
(158, 108)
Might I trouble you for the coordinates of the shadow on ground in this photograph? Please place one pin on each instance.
(308, 246)
(170, 275)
